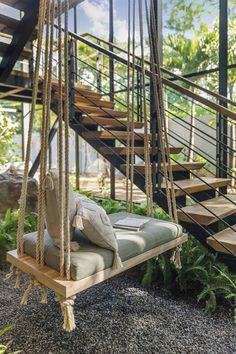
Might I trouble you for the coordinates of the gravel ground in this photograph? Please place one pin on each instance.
(118, 316)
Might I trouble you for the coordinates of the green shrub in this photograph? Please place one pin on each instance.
(4, 347)
(201, 275)
(8, 231)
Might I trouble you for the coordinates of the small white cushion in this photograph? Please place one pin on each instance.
(96, 226)
(53, 208)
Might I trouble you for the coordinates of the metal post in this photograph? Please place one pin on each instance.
(99, 70)
(111, 74)
(156, 153)
(77, 160)
(222, 124)
(71, 80)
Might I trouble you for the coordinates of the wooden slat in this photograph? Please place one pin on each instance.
(51, 279)
(220, 206)
(108, 122)
(139, 150)
(122, 135)
(98, 111)
(185, 166)
(16, 4)
(25, 54)
(196, 185)
(93, 102)
(90, 101)
(77, 85)
(225, 238)
(8, 24)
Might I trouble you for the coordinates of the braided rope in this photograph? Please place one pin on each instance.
(40, 224)
(161, 115)
(128, 128)
(66, 120)
(22, 202)
(132, 116)
(60, 143)
(148, 180)
(67, 309)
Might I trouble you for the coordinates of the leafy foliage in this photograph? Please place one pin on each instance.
(4, 347)
(8, 230)
(7, 131)
(201, 274)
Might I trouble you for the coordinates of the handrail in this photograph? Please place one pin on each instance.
(215, 106)
(177, 77)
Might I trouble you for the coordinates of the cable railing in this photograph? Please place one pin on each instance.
(179, 114)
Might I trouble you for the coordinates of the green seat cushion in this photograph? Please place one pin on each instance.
(91, 259)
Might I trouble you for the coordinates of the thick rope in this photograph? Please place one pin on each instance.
(67, 309)
(162, 124)
(14, 271)
(128, 128)
(34, 283)
(66, 120)
(148, 181)
(60, 144)
(40, 224)
(21, 219)
(132, 115)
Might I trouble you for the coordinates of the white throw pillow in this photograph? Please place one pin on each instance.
(93, 221)
(53, 209)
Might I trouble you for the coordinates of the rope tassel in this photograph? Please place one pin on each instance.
(176, 257)
(67, 309)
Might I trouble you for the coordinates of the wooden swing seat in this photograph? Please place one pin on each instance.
(92, 264)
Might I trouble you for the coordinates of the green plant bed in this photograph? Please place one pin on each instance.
(8, 231)
(201, 275)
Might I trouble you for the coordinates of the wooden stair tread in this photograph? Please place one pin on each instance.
(139, 150)
(25, 54)
(122, 135)
(77, 85)
(185, 166)
(98, 111)
(93, 102)
(196, 185)
(90, 101)
(16, 4)
(220, 206)
(8, 24)
(226, 238)
(108, 122)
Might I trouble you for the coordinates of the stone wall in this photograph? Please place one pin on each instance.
(10, 189)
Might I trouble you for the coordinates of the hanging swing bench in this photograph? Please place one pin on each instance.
(59, 265)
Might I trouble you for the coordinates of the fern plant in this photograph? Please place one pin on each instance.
(4, 347)
(200, 274)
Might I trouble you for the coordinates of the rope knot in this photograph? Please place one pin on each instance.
(176, 257)
(67, 310)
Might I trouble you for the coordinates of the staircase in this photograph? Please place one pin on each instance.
(205, 198)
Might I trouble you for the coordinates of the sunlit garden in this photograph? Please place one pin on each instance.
(117, 176)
